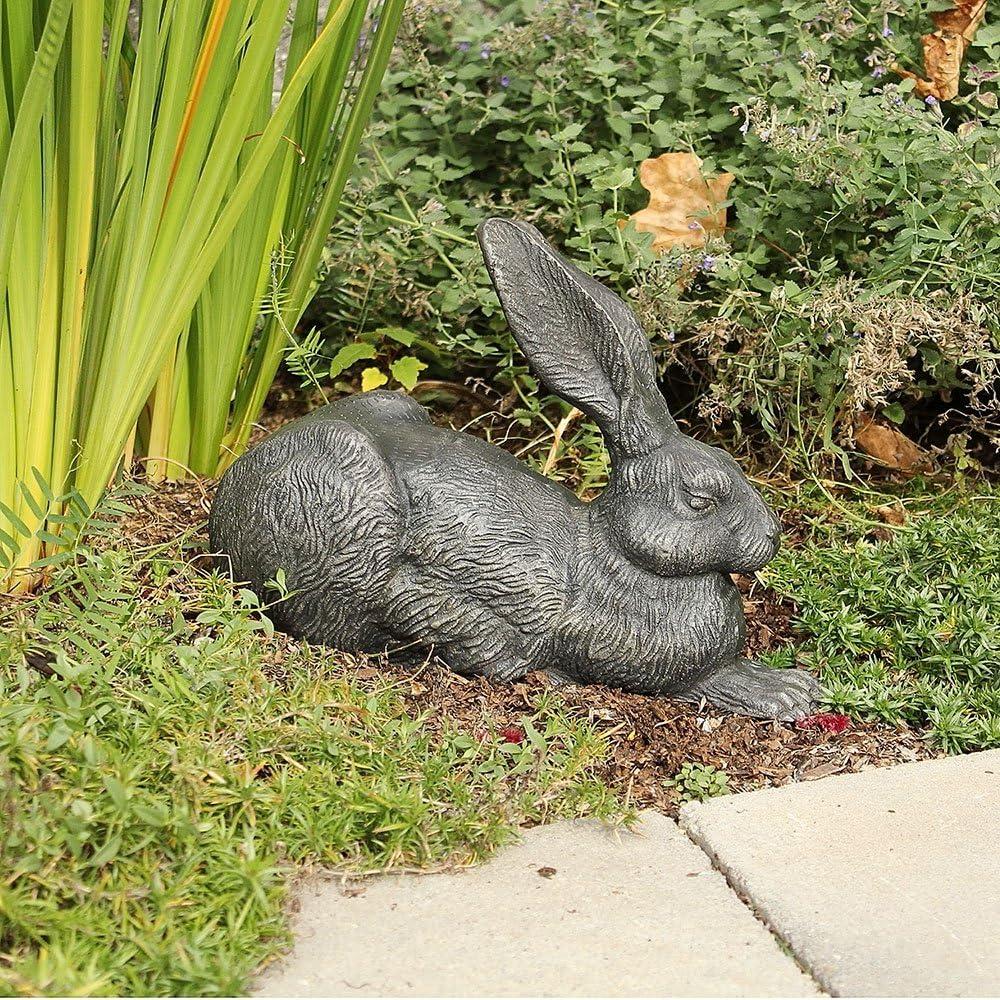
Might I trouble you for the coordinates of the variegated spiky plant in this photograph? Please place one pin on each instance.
(153, 195)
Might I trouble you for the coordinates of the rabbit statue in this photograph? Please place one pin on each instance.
(393, 532)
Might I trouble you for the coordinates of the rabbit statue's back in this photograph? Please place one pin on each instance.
(395, 533)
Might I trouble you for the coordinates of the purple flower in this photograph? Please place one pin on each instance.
(708, 262)
(878, 72)
(463, 46)
(484, 52)
(505, 80)
(547, 38)
(930, 100)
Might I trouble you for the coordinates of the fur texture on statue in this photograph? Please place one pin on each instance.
(393, 532)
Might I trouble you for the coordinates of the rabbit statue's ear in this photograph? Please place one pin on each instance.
(581, 340)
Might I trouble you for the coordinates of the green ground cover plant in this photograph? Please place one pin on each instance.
(166, 762)
(860, 267)
(700, 782)
(904, 628)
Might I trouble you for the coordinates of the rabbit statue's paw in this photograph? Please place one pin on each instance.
(748, 688)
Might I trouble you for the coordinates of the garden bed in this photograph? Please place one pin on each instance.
(648, 739)
(168, 762)
(155, 731)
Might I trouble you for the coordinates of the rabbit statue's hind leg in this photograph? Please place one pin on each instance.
(463, 633)
(496, 658)
(748, 688)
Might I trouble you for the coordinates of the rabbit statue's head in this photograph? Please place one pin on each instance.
(674, 506)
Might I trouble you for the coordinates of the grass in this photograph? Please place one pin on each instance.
(904, 628)
(159, 785)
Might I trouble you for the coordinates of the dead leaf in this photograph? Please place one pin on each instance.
(943, 53)
(890, 446)
(892, 513)
(683, 207)
(962, 19)
(820, 771)
(546, 871)
(944, 49)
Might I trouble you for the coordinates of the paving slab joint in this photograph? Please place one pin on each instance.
(654, 917)
(694, 834)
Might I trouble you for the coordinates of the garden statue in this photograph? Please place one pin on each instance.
(393, 532)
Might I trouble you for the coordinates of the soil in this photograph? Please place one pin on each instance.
(648, 738)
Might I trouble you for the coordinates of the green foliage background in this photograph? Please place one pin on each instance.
(861, 267)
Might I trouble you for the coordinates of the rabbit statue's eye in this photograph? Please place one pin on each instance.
(701, 503)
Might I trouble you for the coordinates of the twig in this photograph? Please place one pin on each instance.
(557, 438)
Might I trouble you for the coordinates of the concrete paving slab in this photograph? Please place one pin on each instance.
(884, 883)
(574, 909)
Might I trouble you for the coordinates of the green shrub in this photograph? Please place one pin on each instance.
(860, 269)
(904, 628)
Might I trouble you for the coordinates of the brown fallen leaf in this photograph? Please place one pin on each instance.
(890, 446)
(892, 513)
(820, 771)
(683, 207)
(944, 49)
(546, 871)
(963, 18)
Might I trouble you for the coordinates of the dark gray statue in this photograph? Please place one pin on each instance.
(393, 532)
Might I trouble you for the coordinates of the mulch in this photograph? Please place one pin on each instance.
(648, 738)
